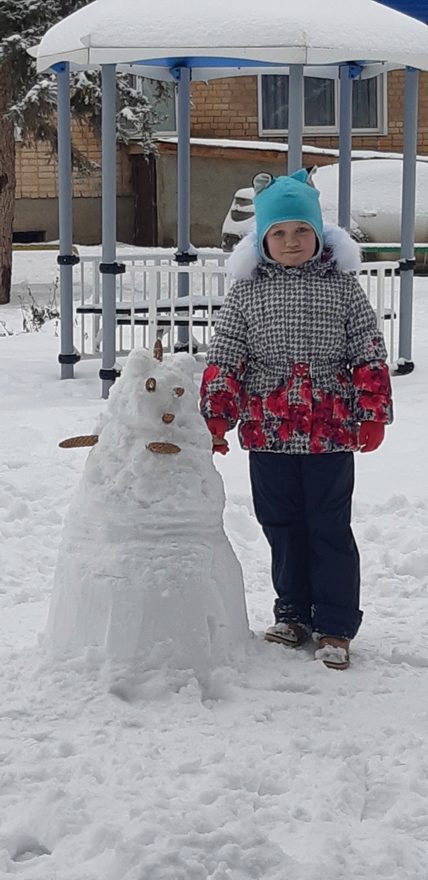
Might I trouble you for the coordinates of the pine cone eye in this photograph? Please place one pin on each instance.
(151, 384)
(178, 392)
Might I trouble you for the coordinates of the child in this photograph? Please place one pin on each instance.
(298, 361)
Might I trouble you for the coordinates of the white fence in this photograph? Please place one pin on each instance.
(380, 281)
(148, 305)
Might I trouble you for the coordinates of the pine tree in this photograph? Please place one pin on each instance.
(28, 102)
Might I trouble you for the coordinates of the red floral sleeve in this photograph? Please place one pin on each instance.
(226, 359)
(373, 402)
(367, 358)
(220, 399)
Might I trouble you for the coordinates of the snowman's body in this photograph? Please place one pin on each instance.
(145, 569)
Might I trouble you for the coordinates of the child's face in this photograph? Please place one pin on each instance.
(291, 243)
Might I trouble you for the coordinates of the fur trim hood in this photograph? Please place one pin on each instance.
(345, 252)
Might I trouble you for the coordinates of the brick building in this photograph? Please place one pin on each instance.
(36, 208)
(232, 108)
(237, 108)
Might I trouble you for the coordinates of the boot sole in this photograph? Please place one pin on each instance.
(295, 643)
(332, 665)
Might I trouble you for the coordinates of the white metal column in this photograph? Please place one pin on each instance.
(408, 210)
(108, 267)
(66, 259)
(345, 146)
(296, 100)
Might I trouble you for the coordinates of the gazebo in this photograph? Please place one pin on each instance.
(211, 40)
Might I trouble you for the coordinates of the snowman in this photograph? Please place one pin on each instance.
(145, 570)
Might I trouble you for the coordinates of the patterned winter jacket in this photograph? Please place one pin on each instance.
(297, 360)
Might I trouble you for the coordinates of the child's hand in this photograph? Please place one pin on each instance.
(370, 436)
(220, 444)
(217, 428)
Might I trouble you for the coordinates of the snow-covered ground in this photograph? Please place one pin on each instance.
(279, 768)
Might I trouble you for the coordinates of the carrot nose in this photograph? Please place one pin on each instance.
(168, 418)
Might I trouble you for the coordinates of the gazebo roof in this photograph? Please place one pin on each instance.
(244, 34)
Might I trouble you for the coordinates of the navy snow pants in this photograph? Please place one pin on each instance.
(303, 503)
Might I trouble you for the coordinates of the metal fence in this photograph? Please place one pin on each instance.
(148, 305)
(147, 301)
(380, 281)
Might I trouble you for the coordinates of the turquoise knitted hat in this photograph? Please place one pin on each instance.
(279, 199)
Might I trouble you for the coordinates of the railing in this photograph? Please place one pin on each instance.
(150, 282)
(391, 247)
(148, 305)
(380, 283)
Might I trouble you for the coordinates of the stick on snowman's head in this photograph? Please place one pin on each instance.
(158, 351)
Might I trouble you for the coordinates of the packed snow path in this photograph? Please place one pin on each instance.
(282, 768)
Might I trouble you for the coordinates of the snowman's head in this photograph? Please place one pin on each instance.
(157, 397)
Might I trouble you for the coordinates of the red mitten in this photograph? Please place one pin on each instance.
(220, 445)
(370, 436)
(217, 428)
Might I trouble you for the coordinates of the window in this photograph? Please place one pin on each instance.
(162, 96)
(321, 114)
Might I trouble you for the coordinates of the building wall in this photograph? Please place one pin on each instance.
(36, 207)
(41, 215)
(224, 108)
(227, 108)
(214, 180)
(216, 174)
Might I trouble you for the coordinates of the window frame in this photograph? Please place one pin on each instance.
(138, 85)
(331, 130)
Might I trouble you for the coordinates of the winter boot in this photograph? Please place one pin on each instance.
(292, 635)
(333, 652)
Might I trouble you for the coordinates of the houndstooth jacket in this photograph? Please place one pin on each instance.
(297, 360)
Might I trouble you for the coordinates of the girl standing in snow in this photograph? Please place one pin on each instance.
(298, 361)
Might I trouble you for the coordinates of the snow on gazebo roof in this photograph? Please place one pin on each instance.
(243, 34)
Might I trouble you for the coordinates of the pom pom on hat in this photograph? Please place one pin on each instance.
(281, 199)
